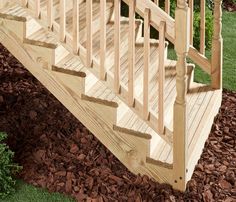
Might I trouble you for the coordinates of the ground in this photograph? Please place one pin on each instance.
(58, 153)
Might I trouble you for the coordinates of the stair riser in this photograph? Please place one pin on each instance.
(106, 113)
(42, 55)
(15, 28)
(76, 85)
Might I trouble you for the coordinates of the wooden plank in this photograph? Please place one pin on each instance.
(146, 64)
(161, 80)
(37, 8)
(199, 59)
(117, 46)
(75, 32)
(191, 6)
(89, 46)
(131, 52)
(156, 16)
(24, 3)
(62, 20)
(102, 39)
(202, 26)
(50, 14)
(167, 6)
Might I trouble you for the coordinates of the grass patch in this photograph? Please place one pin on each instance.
(28, 193)
(229, 50)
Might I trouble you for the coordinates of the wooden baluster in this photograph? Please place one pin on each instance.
(167, 6)
(202, 27)
(191, 6)
(180, 142)
(24, 3)
(89, 16)
(161, 80)
(131, 57)
(117, 46)
(156, 2)
(102, 39)
(62, 21)
(50, 14)
(217, 47)
(146, 63)
(75, 26)
(37, 8)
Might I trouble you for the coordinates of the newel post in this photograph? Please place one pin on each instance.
(182, 42)
(217, 47)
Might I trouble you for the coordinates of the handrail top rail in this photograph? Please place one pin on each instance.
(157, 15)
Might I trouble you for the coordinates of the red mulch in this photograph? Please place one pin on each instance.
(229, 5)
(57, 152)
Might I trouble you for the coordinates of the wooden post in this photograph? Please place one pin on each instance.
(202, 27)
(75, 26)
(182, 42)
(102, 39)
(24, 3)
(62, 20)
(37, 8)
(167, 6)
(161, 79)
(50, 14)
(191, 6)
(117, 46)
(146, 63)
(217, 47)
(89, 42)
(131, 53)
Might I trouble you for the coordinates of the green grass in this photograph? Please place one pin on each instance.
(229, 62)
(27, 193)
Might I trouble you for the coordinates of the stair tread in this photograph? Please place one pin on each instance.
(70, 62)
(44, 37)
(99, 91)
(14, 12)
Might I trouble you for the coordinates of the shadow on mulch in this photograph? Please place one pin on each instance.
(58, 153)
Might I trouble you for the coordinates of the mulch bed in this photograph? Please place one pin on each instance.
(58, 153)
(229, 5)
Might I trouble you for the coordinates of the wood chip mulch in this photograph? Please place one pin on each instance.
(58, 153)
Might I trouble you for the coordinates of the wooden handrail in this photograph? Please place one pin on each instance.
(157, 15)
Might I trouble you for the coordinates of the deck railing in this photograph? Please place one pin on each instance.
(153, 15)
(179, 31)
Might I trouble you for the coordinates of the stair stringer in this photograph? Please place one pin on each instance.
(95, 64)
(128, 154)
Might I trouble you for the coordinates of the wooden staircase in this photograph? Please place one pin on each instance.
(116, 80)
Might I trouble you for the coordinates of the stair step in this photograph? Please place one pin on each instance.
(41, 38)
(97, 92)
(70, 65)
(14, 12)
